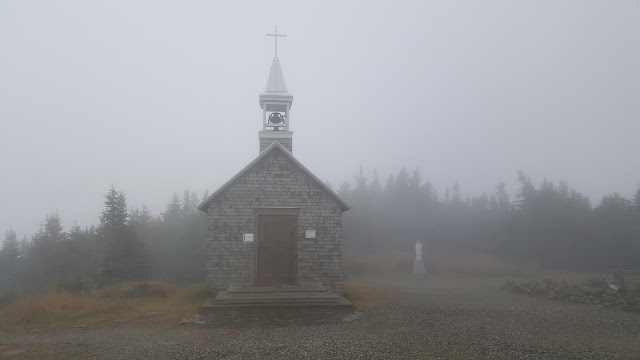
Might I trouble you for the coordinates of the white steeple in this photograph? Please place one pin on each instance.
(276, 83)
(276, 91)
(276, 102)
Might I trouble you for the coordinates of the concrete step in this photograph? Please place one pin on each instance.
(213, 309)
(304, 287)
(225, 298)
(276, 297)
(244, 299)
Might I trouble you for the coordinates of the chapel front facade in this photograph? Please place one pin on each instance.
(275, 222)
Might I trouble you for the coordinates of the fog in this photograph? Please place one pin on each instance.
(155, 97)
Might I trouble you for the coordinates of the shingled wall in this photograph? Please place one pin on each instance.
(266, 141)
(275, 181)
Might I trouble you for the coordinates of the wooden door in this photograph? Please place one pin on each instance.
(277, 249)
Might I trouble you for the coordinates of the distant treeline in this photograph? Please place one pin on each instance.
(127, 245)
(550, 224)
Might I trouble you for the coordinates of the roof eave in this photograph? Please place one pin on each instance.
(203, 206)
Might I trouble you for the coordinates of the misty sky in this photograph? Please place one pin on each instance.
(156, 97)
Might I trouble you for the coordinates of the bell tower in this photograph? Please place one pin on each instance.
(276, 102)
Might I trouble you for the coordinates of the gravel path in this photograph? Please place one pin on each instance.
(433, 318)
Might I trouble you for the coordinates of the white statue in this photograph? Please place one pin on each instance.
(418, 265)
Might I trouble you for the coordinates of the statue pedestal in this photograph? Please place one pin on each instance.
(418, 266)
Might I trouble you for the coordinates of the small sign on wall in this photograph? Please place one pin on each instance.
(310, 234)
(247, 238)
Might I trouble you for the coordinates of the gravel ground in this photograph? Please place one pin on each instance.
(432, 318)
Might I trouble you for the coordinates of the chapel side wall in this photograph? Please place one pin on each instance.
(274, 182)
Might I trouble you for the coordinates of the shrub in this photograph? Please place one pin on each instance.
(79, 285)
(8, 296)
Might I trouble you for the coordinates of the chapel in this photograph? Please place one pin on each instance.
(274, 222)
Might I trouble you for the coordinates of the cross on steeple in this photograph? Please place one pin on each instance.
(276, 36)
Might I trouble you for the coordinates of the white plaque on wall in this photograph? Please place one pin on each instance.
(310, 234)
(247, 237)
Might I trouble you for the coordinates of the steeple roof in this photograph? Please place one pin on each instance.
(276, 84)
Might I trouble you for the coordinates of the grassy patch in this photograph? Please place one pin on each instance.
(479, 265)
(141, 301)
(363, 295)
(385, 263)
(200, 294)
(394, 263)
(123, 302)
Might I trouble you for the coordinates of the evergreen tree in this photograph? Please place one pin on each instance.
(9, 256)
(374, 186)
(480, 203)
(526, 193)
(501, 196)
(401, 185)
(24, 244)
(456, 198)
(360, 181)
(10, 248)
(493, 202)
(190, 203)
(415, 182)
(44, 261)
(617, 232)
(134, 218)
(614, 204)
(359, 220)
(345, 191)
(81, 261)
(636, 200)
(140, 218)
(145, 215)
(114, 217)
(50, 233)
(123, 254)
(174, 209)
(390, 184)
(430, 193)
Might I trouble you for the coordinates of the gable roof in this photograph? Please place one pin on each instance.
(276, 145)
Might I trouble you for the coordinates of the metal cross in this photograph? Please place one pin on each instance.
(276, 36)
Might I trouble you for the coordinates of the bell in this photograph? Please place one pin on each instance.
(275, 118)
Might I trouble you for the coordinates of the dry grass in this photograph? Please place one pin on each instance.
(149, 301)
(386, 263)
(479, 265)
(470, 265)
(365, 296)
(569, 276)
(123, 302)
(393, 263)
